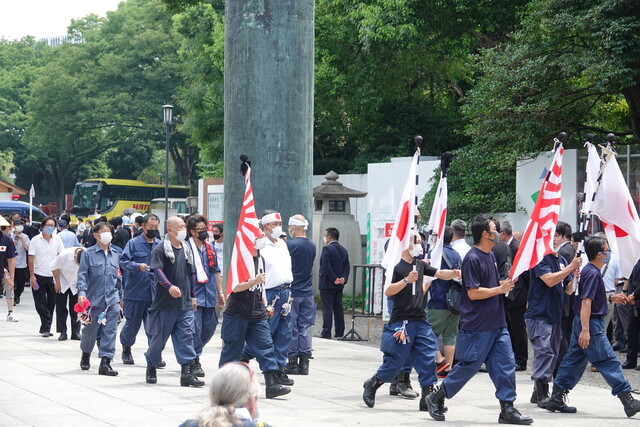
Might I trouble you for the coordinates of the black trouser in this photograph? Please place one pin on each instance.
(20, 281)
(45, 301)
(518, 332)
(62, 312)
(332, 305)
(633, 328)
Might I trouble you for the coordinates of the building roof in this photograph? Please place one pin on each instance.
(332, 188)
(14, 188)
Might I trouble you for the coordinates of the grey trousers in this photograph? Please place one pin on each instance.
(545, 340)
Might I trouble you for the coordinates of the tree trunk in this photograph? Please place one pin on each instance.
(632, 95)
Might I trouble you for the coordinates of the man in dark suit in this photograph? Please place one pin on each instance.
(333, 275)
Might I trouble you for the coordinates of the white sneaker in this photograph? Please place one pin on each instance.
(11, 318)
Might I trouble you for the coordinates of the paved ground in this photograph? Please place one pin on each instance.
(41, 384)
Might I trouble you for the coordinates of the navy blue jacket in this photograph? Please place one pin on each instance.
(138, 285)
(334, 263)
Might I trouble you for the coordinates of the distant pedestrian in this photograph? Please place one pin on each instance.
(8, 263)
(333, 275)
(65, 272)
(69, 239)
(21, 242)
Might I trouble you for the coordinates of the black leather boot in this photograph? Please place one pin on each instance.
(273, 389)
(510, 415)
(542, 393)
(127, 357)
(85, 361)
(404, 386)
(196, 368)
(282, 378)
(556, 401)
(534, 395)
(304, 364)
(151, 376)
(370, 387)
(435, 403)
(106, 369)
(292, 367)
(393, 387)
(187, 378)
(631, 405)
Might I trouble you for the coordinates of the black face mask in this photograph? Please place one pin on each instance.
(152, 234)
(216, 236)
(203, 235)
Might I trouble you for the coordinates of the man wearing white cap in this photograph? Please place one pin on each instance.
(303, 307)
(277, 264)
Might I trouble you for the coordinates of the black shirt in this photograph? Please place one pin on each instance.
(178, 273)
(248, 304)
(406, 304)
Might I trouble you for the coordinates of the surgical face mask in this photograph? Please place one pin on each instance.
(260, 243)
(607, 257)
(276, 232)
(152, 234)
(416, 250)
(49, 229)
(19, 228)
(105, 238)
(216, 236)
(291, 231)
(181, 235)
(203, 235)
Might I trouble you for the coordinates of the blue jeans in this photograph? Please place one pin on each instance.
(599, 353)
(493, 348)
(236, 330)
(420, 348)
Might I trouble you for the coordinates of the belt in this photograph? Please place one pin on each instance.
(281, 287)
(599, 317)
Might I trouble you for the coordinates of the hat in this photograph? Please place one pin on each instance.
(62, 223)
(126, 220)
(3, 221)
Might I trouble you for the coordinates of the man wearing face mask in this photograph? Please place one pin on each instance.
(8, 266)
(332, 276)
(65, 271)
(218, 244)
(209, 292)
(277, 263)
(44, 248)
(138, 285)
(483, 335)
(21, 242)
(303, 309)
(172, 312)
(100, 282)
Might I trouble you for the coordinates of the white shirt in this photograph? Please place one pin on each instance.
(612, 273)
(66, 263)
(277, 263)
(44, 253)
(21, 252)
(461, 247)
(219, 254)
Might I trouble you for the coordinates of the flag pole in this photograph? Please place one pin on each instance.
(418, 142)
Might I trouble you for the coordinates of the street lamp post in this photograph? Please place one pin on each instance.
(167, 114)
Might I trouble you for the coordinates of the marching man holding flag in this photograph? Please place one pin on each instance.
(407, 333)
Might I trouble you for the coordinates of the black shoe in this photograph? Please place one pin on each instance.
(541, 388)
(304, 364)
(556, 401)
(623, 350)
(404, 386)
(272, 388)
(370, 387)
(292, 368)
(196, 368)
(520, 367)
(629, 364)
(426, 391)
(282, 378)
(187, 378)
(62, 337)
(161, 365)
(46, 334)
(483, 369)
(127, 357)
(435, 404)
(393, 386)
(85, 361)
(75, 337)
(324, 337)
(151, 376)
(510, 415)
(631, 405)
(16, 301)
(106, 369)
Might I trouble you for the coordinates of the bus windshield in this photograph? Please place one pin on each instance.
(85, 199)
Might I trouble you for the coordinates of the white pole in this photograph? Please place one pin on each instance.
(32, 194)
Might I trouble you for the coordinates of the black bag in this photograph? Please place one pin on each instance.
(454, 292)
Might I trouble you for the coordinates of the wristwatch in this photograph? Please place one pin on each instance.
(406, 282)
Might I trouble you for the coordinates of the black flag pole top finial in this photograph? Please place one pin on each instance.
(590, 138)
(245, 165)
(561, 139)
(445, 162)
(418, 141)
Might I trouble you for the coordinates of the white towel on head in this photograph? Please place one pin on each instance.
(201, 275)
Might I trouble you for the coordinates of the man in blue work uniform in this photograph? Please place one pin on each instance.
(589, 341)
(245, 324)
(139, 288)
(277, 264)
(550, 281)
(483, 335)
(303, 308)
(408, 333)
(209, 292)
(100, 282)
(172, 310)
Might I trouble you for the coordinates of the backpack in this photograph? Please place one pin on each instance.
(454, 292)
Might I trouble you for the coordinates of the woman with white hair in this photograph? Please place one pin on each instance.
(234, 399)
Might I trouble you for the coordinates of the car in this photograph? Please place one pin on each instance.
(7, 207)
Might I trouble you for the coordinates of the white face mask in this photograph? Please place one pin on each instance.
(260, 243)
(181, 235)
(106, 237)
(276, 232)
(416, 251)
(19, 228)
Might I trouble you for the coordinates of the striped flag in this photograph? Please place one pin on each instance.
(437, 222)
(538, 236)
(241, 267)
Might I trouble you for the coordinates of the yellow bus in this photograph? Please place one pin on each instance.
(110, 197)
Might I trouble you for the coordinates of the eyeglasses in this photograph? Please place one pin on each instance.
(200, 229)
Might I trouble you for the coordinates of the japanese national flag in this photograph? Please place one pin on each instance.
(399, 240)
(615, 207)
(437, 222)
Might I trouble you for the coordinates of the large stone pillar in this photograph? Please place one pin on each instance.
(268, 107)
